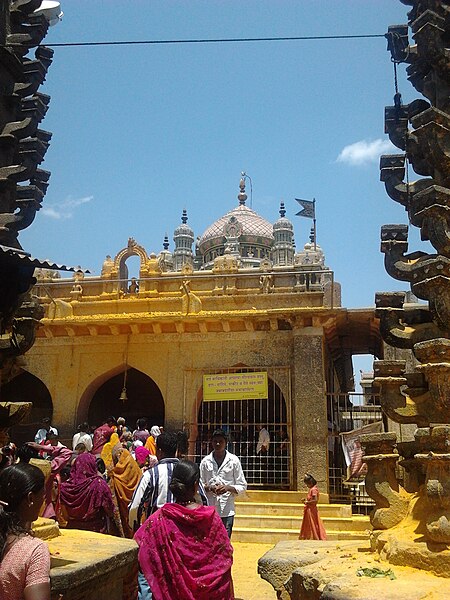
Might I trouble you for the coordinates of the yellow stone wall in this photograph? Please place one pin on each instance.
(92, 327)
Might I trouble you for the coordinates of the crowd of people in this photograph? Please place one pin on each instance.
(128, 483)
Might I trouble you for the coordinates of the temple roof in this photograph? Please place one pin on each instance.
(253, 225)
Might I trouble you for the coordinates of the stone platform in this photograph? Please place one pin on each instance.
(92, 566)
(313, 570)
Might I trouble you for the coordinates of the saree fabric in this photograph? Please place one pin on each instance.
(185, 554)
(106, 453)
(124, 478)
(312, 527)
(86, 496)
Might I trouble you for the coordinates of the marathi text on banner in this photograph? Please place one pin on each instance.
(235, 386)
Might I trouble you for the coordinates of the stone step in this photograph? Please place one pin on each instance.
(288, 509)
(273, 536)
(275, 496)
(285, 522)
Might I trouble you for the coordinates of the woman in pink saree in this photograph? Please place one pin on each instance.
(312, 527)
(184, 550)
(86, 498)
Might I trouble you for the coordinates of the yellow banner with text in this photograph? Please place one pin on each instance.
(235, 386)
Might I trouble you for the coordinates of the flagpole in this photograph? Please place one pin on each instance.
(314, 224)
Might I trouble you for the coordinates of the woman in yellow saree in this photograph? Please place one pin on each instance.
(124, 477)
(106, 453)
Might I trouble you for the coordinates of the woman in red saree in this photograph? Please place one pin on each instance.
(184, 550)
(312, 527)
(86, 498)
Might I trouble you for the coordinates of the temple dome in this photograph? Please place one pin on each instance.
(255, 228)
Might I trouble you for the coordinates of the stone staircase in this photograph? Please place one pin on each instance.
(272, 516)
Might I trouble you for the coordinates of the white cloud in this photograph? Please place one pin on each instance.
(364, 152)
(64, 209)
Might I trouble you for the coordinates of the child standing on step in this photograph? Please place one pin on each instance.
(312, 527)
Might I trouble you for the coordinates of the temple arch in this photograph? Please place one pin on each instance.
(102, 398)
(26, 387)
(242, 420)
(120, 266)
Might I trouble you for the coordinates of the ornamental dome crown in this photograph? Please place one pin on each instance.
(283, 223)
(251, 227)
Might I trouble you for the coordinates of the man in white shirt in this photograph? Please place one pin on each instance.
(223, 478)
(82, 437)
(41, 434)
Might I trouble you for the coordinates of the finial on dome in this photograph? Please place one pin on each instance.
(166, 242)
(282, 209)
(184, 217)
(242, 196)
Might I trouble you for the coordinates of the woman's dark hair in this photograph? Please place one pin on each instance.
(182, 443)
(25, 453)
(83, 427)
(309, 479)
(184, 477)
(16, 482)
(141, 424)
(101, 467)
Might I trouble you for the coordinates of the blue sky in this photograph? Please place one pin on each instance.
(141, 132)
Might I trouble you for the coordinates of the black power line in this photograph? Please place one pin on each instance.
(212, 41)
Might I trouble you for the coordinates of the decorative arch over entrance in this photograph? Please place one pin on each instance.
(144, 400)
(242, 420)
(23, 388)
(132, 249)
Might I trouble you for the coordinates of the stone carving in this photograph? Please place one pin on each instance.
(266, 284)
(108, 266)
(420, 395)
(392, 501)
(22, 183)
(190, 302)
(59, 309)
(133, 288)
(76, 292)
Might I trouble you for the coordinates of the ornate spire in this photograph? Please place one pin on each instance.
(242, 196)
(184, 217)
(166, 242)
(282, 209)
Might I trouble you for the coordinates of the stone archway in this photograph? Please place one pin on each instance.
(144, 400)
(26, 387)
(120, 266)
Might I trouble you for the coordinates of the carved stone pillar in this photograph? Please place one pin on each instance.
(391, 499)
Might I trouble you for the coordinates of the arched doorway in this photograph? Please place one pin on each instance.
(26, 387)
(242, 421)
(144, 400)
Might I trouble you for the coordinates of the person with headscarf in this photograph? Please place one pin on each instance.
(150, 444)
(144, 459)
(86, 498)
(106, 453)
(124, 478)
(184, 549)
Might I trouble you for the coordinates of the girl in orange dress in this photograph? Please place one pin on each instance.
(312, 526)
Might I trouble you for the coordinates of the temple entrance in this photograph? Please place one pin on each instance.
(243, 420)
(26, 387)
(144, 399)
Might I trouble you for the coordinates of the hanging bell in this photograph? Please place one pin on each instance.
(123, 395)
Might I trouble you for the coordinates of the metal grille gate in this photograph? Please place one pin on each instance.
(345, 413)
(242, 421)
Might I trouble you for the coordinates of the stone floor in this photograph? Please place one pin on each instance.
(248, 585)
